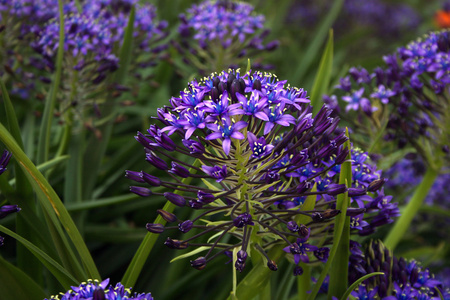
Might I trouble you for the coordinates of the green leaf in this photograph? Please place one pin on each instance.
(339, 268)
(61, 274)
(53, 208)
(249, 66)
(357, 282)
(323, 76)
(17, 285)
(404, 221)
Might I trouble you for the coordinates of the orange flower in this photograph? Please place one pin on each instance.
(442, 19)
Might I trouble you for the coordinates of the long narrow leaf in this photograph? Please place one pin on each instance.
(50, 201)
(61, 274)
(24, 191)
(323, 75)
(17, 285)
(339, 268)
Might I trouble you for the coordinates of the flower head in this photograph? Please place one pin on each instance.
(231, 26)
(94, 289)
(253, 171)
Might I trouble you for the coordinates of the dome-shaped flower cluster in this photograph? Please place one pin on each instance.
(94, 289)
(409, 95)
(259, 155)
(217, 32)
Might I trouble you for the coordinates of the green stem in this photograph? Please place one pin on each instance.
(410, 211)
(304, 282)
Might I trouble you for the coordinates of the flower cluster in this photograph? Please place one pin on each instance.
(259, 156)
(94, 289)
(409, 96)
(401, 280)
(216, 32)
(6, 209)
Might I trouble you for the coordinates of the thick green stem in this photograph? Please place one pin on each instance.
(410, 211)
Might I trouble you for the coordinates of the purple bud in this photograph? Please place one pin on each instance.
(135, 176)
(271, 177)
(239, 265)
(272, 45)
(241, 255)
(256, 85)
(199, 263)
(205, 197)
(195, 204)
(164, 141)
(355, 192)
(167, 216)
(185, 226)
(353, 211)
(175, 199)
(179, 170)
(341, 156)
(156, 161)
(7, 210)
(150, 179)
(242, 220)
(272, 265)
(194, 146)
(336, 189)
(304, 231)
(292, 226)
(303, 187)
(155, 228)
(175, 244)
(376, 185)
(298, 271)
(141, 191)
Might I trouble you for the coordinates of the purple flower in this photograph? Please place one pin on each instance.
(216, 172)
(4, 160)
(300, 250)
(382, 94)
(94, 289)
(356, 100)
(226, 131)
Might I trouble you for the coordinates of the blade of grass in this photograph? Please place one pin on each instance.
(24, 190)
(61, 274)
(50, 202)
(323, 76)
(339, 268)
(404, 221)
(50, 102)
(17, 285)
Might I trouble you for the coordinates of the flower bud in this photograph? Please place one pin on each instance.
(175, 199)
(272, 265)
(376, 185)
(179, 170)
(175, 244)
(167, 216)
(141, 191)
(150, 179)
(185, 226)
(298, 271)
(355, 192)
(155, 228)
(199, 263)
